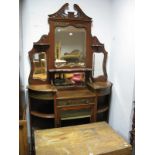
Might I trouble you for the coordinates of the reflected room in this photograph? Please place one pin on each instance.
(70, 47)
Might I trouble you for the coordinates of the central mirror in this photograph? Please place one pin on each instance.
(70, 47)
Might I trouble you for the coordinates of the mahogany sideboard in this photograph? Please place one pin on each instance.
(68, 81)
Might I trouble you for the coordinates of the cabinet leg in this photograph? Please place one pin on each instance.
(57, 120)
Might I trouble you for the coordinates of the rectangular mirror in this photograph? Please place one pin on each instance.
(70, 47)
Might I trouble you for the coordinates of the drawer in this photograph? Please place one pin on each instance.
(75, 114)
(71, 102)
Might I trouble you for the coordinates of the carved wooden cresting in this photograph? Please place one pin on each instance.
(61, 14)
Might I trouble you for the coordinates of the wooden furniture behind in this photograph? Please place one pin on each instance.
(89, 139)
(23, 136)
(63, 84)
(23, 141)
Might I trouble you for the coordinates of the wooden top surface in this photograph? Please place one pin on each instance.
(70, 70)
(100, 85)
(88, 139)
(43, 88)
(75, 94)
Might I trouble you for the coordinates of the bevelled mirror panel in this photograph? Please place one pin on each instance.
(40, 66)
(70, 47)
(98, 64)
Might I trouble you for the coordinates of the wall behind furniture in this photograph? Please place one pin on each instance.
(111, 26)
(121, 65)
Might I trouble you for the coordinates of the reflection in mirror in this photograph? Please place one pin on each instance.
(97, 64)
(69, 79)
(40, 66)
(70, 47)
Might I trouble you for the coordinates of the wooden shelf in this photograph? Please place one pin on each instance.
(102, 110)
(70, 70)
(70, 87)
(41, 115)
(41, 96)
(99, 85)
(42, 88)
(41, 44)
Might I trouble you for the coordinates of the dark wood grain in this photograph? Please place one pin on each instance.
(23, 140)
(69, 99)
(77, 94)
(99, 48)
(61, 14)
(42, 88)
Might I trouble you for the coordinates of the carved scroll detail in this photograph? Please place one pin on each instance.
(65, 24)
(60, 14)
(80, 13)
(43, 39)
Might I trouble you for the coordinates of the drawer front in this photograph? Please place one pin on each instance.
(71, 102)
(75, 114)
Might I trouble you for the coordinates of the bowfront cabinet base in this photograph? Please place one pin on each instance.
(50, 104)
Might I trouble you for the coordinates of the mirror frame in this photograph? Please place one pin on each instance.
(76, 19)
(98, 47)
(40, 46)
(61, 18)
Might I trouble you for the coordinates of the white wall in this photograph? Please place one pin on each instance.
(121, 65)
(111, 24)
